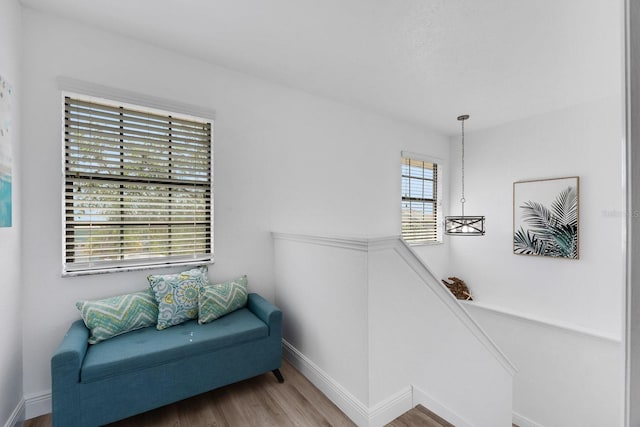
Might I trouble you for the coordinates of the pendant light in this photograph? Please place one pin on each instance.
(464, 225)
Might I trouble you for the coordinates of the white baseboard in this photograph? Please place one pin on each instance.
(391, 408)
(376, 416)
(17, 416)
(522, 421)
(348, 403)
(37, 404)
(420, 397)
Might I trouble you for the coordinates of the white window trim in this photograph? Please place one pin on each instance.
(82, 88)
(442, 165)
(77, 88)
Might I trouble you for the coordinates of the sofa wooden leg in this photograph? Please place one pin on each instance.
(278, 375)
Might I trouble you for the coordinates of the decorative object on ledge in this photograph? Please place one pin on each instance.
(545, 217)
(458, 288)
(464, 225)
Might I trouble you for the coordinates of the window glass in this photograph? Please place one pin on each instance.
(419, 201)
(137, 188)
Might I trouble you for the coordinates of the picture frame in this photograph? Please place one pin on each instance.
(546, 217)
(6, 131)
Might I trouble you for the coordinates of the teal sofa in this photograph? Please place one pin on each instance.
(97, 384)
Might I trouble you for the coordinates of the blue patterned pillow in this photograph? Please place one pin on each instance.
(217, 300)
(113, 316)
(177, 295)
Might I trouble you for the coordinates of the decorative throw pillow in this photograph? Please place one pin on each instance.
(177, 295)
(113, 316)
(217, 300)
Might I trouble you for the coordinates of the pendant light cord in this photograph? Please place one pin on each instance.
(463, 200)
(464, 225)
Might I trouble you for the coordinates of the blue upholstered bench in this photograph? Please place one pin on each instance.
(144, 369)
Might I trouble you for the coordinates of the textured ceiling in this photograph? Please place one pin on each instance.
(424, 61)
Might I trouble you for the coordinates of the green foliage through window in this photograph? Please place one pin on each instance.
(419, 201)
(137, 187)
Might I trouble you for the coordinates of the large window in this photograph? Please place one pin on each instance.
(137, 188)
(420, 207)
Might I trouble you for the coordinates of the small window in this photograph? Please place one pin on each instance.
(420, 207)
(137, 188)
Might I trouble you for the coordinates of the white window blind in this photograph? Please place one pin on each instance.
(419, 201)
(137, 188)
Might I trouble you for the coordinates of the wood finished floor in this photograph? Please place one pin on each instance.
(256, 402)
(259, 402)
(419, 416)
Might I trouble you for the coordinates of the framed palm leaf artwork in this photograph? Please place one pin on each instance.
(546, 217)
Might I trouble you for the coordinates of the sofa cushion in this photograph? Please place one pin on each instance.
(177, 295)
(220, 299)
(148, 347)
(113, 316)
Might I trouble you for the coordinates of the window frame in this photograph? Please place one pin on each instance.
(440, 166)
(92, 93)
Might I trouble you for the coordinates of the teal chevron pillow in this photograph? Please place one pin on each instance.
(217, 300)
(177, 295)
(113, 316)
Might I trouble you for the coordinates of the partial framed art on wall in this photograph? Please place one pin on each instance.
(546, 217)
(6, 95)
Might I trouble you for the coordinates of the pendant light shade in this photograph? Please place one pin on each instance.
(464, 225)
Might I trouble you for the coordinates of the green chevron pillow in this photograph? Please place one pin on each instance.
(217, 300)
(113, 316)
(177, 295)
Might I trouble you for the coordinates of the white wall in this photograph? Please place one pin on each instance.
(11, 300)
(584, 141)
(367, 323)
(565, 378)
(284, 160)
(322, 291)
(569, 372)
(585, 294)
(345, 164)
(420, 336)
